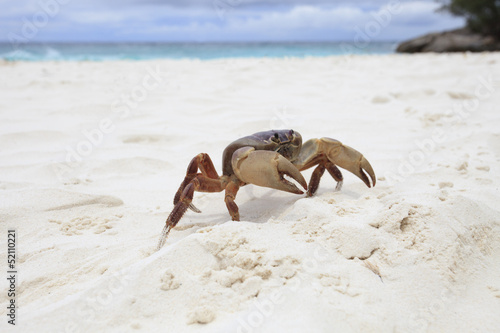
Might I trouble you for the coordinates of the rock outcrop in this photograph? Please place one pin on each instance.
(459, 40)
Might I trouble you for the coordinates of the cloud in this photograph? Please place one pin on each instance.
(233, 3)
(314, 23)
(222, 20)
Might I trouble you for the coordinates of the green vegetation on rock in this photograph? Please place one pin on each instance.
(483, 16)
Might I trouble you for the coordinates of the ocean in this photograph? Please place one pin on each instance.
(203, 51)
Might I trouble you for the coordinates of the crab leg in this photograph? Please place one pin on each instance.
(266, 168)
(199, 183)
(318, 173)
(231, 190)
(204, 163)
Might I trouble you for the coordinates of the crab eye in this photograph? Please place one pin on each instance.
(291, 133)
(276, 137)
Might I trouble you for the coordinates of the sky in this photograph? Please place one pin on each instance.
(219, 20)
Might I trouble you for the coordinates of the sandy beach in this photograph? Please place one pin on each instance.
(92, 154)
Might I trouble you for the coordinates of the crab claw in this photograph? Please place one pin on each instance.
(348, 158)
(266, 168)
(339, 154)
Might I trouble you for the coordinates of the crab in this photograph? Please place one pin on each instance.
(266, 159)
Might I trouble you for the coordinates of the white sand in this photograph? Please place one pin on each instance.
(419, 252)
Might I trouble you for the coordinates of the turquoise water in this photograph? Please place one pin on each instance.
(144, 51)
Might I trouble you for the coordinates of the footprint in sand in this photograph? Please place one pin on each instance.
(459, 95)
(380, 100)
(483, 168)
(412, 95)
(145, 139)
(445, 184)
